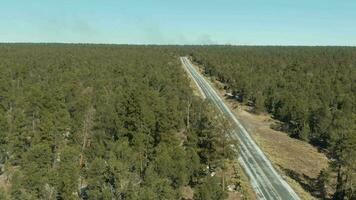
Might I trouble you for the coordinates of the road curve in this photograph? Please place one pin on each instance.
(266, 182)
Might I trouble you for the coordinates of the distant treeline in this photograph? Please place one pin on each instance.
(311, 89)
(104, 122)
(121, 122)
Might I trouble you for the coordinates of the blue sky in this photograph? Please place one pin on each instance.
(247, 22)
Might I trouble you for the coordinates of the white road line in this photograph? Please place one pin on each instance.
(264, 179)
(195, 81)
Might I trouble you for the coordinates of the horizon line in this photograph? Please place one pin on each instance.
(176, 44)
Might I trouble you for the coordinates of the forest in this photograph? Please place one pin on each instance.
(104, 122)
(81, 121)
(312, 90)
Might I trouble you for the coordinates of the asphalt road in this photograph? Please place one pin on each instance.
(266, 182)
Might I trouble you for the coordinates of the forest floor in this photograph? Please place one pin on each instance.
(4, 180)
(3, 184)
(238, 181)
(298, 162)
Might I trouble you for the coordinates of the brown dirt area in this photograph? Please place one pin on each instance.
(294, 159)
(237, 183)
(4, 180)
(236, 178)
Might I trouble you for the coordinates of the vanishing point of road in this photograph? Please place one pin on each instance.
(266, 182)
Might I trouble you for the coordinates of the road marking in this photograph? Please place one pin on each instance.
(191, 76)
(263, 177)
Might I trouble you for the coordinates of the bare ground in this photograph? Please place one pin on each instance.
(299, 162)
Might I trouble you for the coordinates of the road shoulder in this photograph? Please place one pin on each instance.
(297, 161)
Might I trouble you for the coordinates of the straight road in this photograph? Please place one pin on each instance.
(266, 182)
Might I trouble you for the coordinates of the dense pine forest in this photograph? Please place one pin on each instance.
(104, 122)
(311, 89)
(122, 122)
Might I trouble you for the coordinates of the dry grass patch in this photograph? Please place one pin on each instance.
(187, 193)
(285, 151)
(297, 161)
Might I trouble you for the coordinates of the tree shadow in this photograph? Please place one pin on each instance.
(306, 182)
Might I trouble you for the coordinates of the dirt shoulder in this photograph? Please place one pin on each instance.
(297, 161)
(236, 179)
